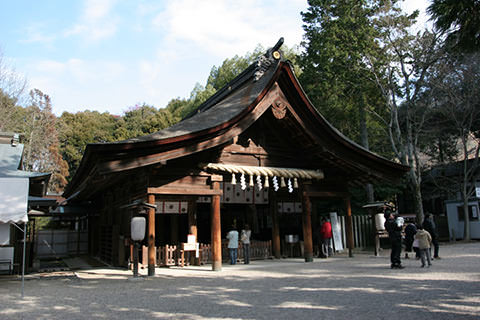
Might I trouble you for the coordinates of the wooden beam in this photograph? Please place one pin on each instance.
(184, 191)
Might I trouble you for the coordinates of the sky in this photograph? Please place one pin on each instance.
(111, 55)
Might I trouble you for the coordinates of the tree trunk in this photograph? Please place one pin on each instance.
(466, 217)
(417, 195)
(466, 230)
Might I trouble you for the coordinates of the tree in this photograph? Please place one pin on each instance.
(142, 120)
(460, 21)
(41, 150)
(79, 129)
(12, 88)
(456, 91)
(338, 37)
(401, 79)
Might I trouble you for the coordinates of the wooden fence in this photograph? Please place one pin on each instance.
(171, 255)
(60, 243)
(363, 231)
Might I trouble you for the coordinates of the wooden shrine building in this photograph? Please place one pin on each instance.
(256, 142)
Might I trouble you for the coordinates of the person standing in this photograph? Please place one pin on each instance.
(394, 229)
(410, 231)
(326, 236)
(429, 225)
(232, 237)
(245, 238)
(424, 241)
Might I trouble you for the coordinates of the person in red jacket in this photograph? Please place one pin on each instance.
(326, 236)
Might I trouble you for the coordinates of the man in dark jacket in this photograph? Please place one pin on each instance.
(395, 234)
(429, 225)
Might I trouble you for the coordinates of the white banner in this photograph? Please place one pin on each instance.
(337, 232)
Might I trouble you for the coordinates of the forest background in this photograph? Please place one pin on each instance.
(412, 97)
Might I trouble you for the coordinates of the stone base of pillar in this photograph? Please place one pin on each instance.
(308, 257)
(151, 270)
(216, 266)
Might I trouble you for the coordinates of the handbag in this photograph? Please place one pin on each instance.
(243, 236)
(415, 243)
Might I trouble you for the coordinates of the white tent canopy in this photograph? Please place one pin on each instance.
(14, 208)
(14, 200)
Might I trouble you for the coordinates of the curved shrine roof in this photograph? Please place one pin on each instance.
(221, 111)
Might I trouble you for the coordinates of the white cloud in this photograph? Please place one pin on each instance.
(226, 28)
(97, 21)
(35, 33)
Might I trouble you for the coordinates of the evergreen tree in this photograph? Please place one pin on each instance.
(76, 130)
(338, 37)
(460, 20)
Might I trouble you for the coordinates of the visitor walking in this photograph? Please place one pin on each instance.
(245, 238)
(232, 237)
(326, 236)
(424, 244)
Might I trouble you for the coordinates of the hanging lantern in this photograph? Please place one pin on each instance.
(234, 179)
(266, 185)
(282, 182)
(295, 183)
(250, 183)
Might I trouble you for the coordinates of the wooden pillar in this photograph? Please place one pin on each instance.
(349, 227)
(307, 228)
(275, 225)
(151, 236)
(215, 226)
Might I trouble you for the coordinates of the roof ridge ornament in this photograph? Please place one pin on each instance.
(265, 61)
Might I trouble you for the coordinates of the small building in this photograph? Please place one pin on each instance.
(256, 152)
(441, 192)
(20, 191)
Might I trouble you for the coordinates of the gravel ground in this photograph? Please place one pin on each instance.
(363, 287)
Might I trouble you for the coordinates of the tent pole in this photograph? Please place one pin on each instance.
(23, 264)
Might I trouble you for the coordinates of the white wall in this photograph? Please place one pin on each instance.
(456, 227)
